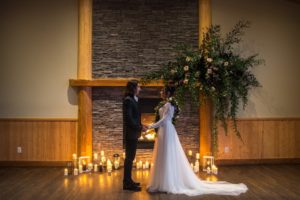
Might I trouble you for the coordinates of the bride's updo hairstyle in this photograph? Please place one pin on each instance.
(170, 89)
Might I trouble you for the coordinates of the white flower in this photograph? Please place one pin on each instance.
(213, 88)
(226, 64)
(173, 71)
(188, 59)
(209, 70)
(209, 60)
(186, 68)
(186, 81)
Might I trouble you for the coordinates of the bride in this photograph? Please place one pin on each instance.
(172, 172)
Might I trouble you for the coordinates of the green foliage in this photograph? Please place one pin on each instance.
(215, 71)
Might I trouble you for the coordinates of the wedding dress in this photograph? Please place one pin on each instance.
(172, 172)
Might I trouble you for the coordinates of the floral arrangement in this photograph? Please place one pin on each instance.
(215, 72)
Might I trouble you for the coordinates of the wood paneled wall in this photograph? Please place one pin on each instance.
(40, 139)
(263, 139)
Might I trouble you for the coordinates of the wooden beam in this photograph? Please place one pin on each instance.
(109, 82)
(84, 142)
(205, 111)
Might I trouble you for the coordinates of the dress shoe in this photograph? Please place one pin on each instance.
(136, 183)
(132, 187)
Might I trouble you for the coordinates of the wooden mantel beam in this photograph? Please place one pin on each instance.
(108, 82)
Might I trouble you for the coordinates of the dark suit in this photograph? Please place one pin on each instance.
(132, 128)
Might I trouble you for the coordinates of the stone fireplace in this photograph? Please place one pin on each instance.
(130, 38)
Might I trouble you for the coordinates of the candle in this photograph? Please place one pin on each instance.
(147, 164)
(95, 156)
(116, 164)
(90, 166)
(196, 169)
(214, 169)
(192, 165)
(144, 166)
(190, 153)
(124, 155)
(103, 159)
(75, 172)
(66, 172)
(102, 153)
(95, 168)
(198, 156)
(140, 163)
(80, 169)
(208, 170)
(109, 166)
(74, 156)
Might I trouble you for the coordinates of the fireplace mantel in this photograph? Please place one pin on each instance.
(108, 82)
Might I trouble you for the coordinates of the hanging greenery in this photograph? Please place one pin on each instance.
(214, 70)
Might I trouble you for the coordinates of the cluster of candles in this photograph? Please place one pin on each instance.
(208, 163)
(141, 165)
(100, 163)
(83, 164)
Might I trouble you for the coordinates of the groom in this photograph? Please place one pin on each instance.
(132, 128)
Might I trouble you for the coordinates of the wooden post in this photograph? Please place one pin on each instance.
(84, 139)
(205, 112)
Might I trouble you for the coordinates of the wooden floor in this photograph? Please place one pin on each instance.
(269, 182)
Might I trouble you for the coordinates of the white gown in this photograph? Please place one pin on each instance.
(172, 172)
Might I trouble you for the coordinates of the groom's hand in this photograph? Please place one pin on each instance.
(145, 128)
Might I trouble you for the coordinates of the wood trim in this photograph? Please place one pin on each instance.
(39, 119)
(257, 161)
(109, 82)
(33, 163)
(205, 111)
(84, 71)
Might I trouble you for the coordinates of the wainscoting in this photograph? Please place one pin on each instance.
(263, 140)
(52, 141)
(42, 140)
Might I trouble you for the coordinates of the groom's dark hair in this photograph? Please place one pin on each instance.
(131, 87)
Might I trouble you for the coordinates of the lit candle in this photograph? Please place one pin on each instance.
(75, 172)
(144, 166)
(74, 156)
(190, 153)
(109, 166)
(102, 153)
(147, 164)
(95, 168)
(116, 164)
(140, 164)
(66, 172)
(103, 159)
(95, 156)
(80, 169)
(214, 169)
(90, 166)
(198, 156)
(124, 155)
(196, 169)
(208, 170)
(192, 165)
(197, 163)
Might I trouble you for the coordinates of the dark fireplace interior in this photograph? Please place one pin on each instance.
(147, 106)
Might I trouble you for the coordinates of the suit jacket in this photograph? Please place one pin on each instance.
(132, 125)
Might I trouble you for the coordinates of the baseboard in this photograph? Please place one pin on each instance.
(33, 163)
(258, 161)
